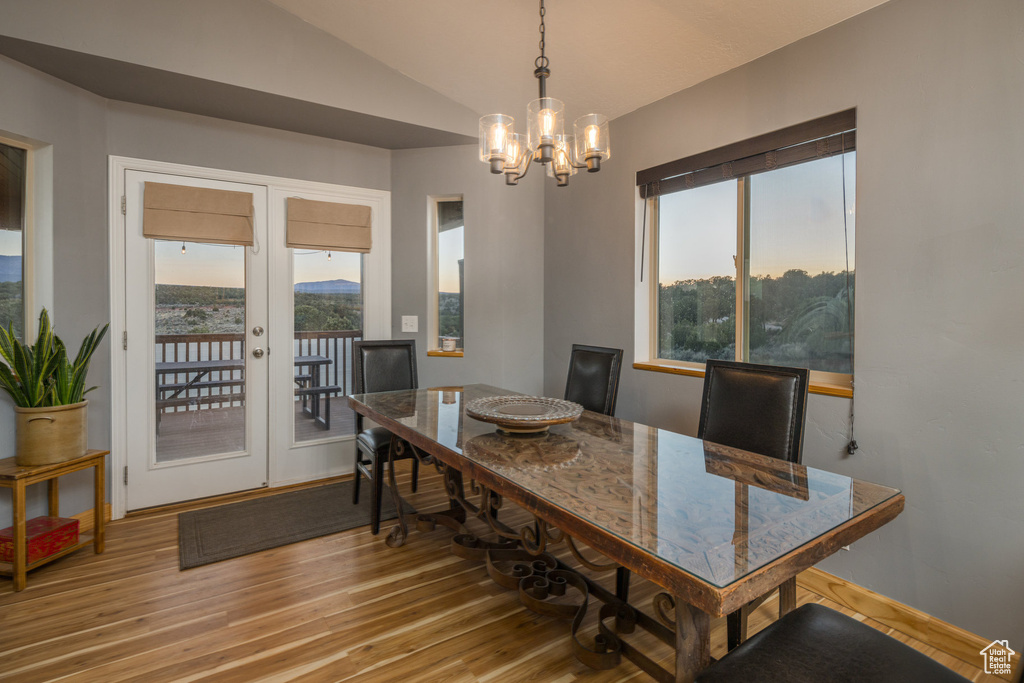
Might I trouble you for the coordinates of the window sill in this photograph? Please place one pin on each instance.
(445, 354)
(823, 388)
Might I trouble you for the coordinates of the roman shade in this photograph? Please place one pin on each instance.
(12, 185)
(822, 137)
(449, 215)
(197, 214)
(328, 225)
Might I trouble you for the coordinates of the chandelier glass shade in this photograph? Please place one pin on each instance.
(545, 141)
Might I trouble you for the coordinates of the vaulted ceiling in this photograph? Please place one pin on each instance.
(398, 73)
(607, 56)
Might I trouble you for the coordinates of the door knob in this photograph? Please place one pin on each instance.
(258, 331)
(257, 353)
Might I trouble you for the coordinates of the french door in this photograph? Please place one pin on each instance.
(237, 360)
(196, 319)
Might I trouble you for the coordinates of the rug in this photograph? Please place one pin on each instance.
(220, 533)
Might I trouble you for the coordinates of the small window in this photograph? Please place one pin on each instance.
(447, 330)
(752, 253)
(13, 174)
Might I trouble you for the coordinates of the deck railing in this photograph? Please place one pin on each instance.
(175, 348)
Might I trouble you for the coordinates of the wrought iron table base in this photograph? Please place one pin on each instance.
(518, 560)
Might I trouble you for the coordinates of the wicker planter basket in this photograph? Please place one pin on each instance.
(45, 436)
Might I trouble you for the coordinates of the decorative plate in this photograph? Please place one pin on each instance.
(523, 414)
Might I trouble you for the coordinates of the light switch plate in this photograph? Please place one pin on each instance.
(410, 323)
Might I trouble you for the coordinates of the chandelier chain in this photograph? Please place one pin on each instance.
(542, 61)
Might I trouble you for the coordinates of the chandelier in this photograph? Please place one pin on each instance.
(545, 140)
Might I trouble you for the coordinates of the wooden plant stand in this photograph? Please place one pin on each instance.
(18, 479)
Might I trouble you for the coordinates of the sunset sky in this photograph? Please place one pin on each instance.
(10, 242)
(797, 222)
(216, 265)
(449, 251)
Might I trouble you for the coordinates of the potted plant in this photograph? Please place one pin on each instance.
(48, 391)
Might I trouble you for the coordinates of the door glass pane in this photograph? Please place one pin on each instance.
(12, 215)
(200, 349)
(696, 273)
(450, 274)
(801, 265)
(328, 295)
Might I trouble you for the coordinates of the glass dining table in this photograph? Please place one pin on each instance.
(715, 527)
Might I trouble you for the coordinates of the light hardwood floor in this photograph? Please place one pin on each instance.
(343, 607)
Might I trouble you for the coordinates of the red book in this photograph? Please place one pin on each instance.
(46, 536)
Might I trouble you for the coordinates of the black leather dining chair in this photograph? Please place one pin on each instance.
(593, 379)
(757, 408)
(385, 365)
(814, 643)
(593, 382)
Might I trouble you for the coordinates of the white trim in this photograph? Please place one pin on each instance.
(433, 340)
(118, 357)
(379, 296)
(37, 235)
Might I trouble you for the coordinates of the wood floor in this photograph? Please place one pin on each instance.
(343, 607)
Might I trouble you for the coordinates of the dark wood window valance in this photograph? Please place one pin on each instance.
(823, 137)
(12, 187)
(329, 225)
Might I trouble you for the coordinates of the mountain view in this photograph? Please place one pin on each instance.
(328, 287)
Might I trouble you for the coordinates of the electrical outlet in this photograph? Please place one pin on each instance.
(410, 323)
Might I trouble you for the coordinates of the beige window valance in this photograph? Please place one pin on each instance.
(197, 214)
(328, 225)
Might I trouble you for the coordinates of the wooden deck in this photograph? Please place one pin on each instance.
(343, 607)
(187, 434)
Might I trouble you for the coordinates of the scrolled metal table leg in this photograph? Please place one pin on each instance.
(400, 531)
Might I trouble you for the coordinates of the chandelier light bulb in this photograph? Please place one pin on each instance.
(512, 155)
(547, 123)
(495, 132)
(592, 140)
(498, 135)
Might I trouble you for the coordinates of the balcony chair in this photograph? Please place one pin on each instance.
(814, 643)
(593, 379)
(387, 365)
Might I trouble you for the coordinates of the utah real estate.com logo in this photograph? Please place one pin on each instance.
(997, 656)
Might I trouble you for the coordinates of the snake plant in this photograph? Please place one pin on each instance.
(41, 375)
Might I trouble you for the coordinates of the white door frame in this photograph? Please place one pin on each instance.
(377, 288)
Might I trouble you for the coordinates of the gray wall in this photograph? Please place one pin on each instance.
(245, 43)
(939, 87)
(84, 130)
(72, 121)
(504, 268)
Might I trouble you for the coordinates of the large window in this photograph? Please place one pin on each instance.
(752, 254)
(448, 239)
(13, 174)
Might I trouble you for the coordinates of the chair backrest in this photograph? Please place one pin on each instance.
(758, 408)
(593, 380)
(384, 365)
